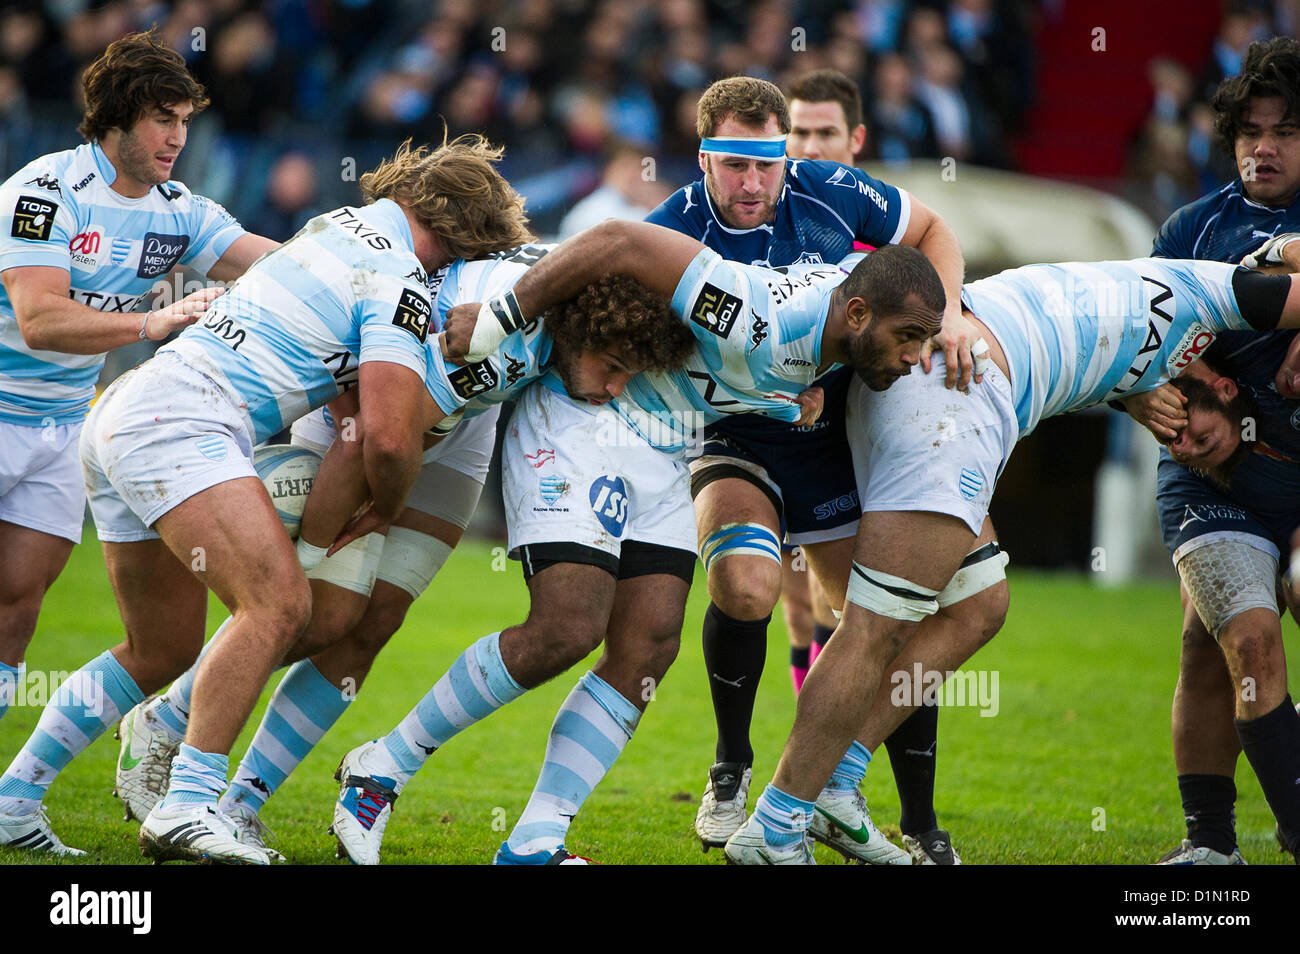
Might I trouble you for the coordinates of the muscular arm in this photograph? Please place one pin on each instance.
(932, 236)
(51, 321)
(243, 252)
(392, 411)
(337, 493)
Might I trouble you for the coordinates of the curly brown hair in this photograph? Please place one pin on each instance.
(137, 73)
(456, 192)
(1269, 68)
(618, 313)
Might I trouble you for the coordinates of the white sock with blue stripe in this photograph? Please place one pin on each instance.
(89, 701)
(848, 775)
(198, 778)
(589, 733)
(172, 708)
(304, 707)
(10, 677)
(784, 817)
(476, 685)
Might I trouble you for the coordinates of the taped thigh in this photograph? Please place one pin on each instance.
(891, 596)
(411, 560)
(353, 567)
(981, 569)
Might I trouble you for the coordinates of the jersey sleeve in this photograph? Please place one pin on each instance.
(394, 323)
(214, 230)
(669, 213)
(1175, 238)
(37, 224)
(876, 212)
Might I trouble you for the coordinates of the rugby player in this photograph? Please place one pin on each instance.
(761, 480)
(1062, 337)
(598, 504)
(84, 235)
(180, 510)
(1257, 118)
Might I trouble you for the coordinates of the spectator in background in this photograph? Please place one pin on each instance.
(291, 198)
(901, 127)
(939, 88)
(629, 189)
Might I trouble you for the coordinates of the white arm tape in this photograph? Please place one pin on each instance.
(979, 352)
(498, 318)
(310, 556)
(891, 596)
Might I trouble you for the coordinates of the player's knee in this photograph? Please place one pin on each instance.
(1249, 648)
(377, 627)
(744, 589)
(18, 618)
(286, 618)
(562, 639)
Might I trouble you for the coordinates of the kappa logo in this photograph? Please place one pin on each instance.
(33, 218)
(159, 252)
(543, 457)
(473, 379)
(716, 310)
(413, 314)
(46, 182)
(514, 370)
(77, 187)
(759, 331)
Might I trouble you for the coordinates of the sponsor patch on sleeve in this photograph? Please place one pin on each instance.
(413, 314)
(33, 218)
(473, 379)
(716, 310)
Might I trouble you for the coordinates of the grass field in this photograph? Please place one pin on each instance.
(1085, 680)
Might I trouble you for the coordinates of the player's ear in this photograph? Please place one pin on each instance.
(1225, 387)
(704, 163)
(857, 314)
(857, 138)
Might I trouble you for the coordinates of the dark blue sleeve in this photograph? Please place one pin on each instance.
(877, 212)
(1177, 237)
(668, 213)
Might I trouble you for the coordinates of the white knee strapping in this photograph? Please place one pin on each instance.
(411, 560)
(1227, 577)
(976, 576)
(353, 567)
(891, 596)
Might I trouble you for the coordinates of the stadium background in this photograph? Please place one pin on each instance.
(307, 94)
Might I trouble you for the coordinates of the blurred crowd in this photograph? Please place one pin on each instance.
(300, 86)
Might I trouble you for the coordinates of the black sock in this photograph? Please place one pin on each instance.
(1207, 809)
(1272, 744)
(912, 748)
(734, 653)
(799, 657)
(822, 634)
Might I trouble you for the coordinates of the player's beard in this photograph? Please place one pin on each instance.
(137, 162)
(565, 365)
(728, 213)
(868, 358)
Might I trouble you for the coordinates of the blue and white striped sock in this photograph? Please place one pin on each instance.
(89, 701)
(784, 818)
(848, 775)
(172, 708)
(589, 733)
(476, 685)
(198, 778)
(10, 677)
(304, 707)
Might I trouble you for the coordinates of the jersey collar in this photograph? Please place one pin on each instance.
(107, 171)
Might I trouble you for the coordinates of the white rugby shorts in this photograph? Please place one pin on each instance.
(160, 434)
(40, 478)
(576, 473)
(922, 446)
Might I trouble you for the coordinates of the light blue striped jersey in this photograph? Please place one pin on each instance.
(521, 358)
(291, 333)
(59, 211)
(1080, 333)
(758, 338)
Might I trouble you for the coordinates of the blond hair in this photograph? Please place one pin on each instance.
(750, 101)
(456, 192)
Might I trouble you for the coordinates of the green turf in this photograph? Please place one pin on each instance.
(1085, 680)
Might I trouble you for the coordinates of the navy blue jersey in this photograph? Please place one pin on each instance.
(1223, 226)
(822, 209)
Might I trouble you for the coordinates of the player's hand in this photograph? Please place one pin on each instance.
(179, 314)
(1287, 379)
(811, 402)
(1162, 411)
(1271, 252)
(458, 329)
(956, 338)
(367, 521)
